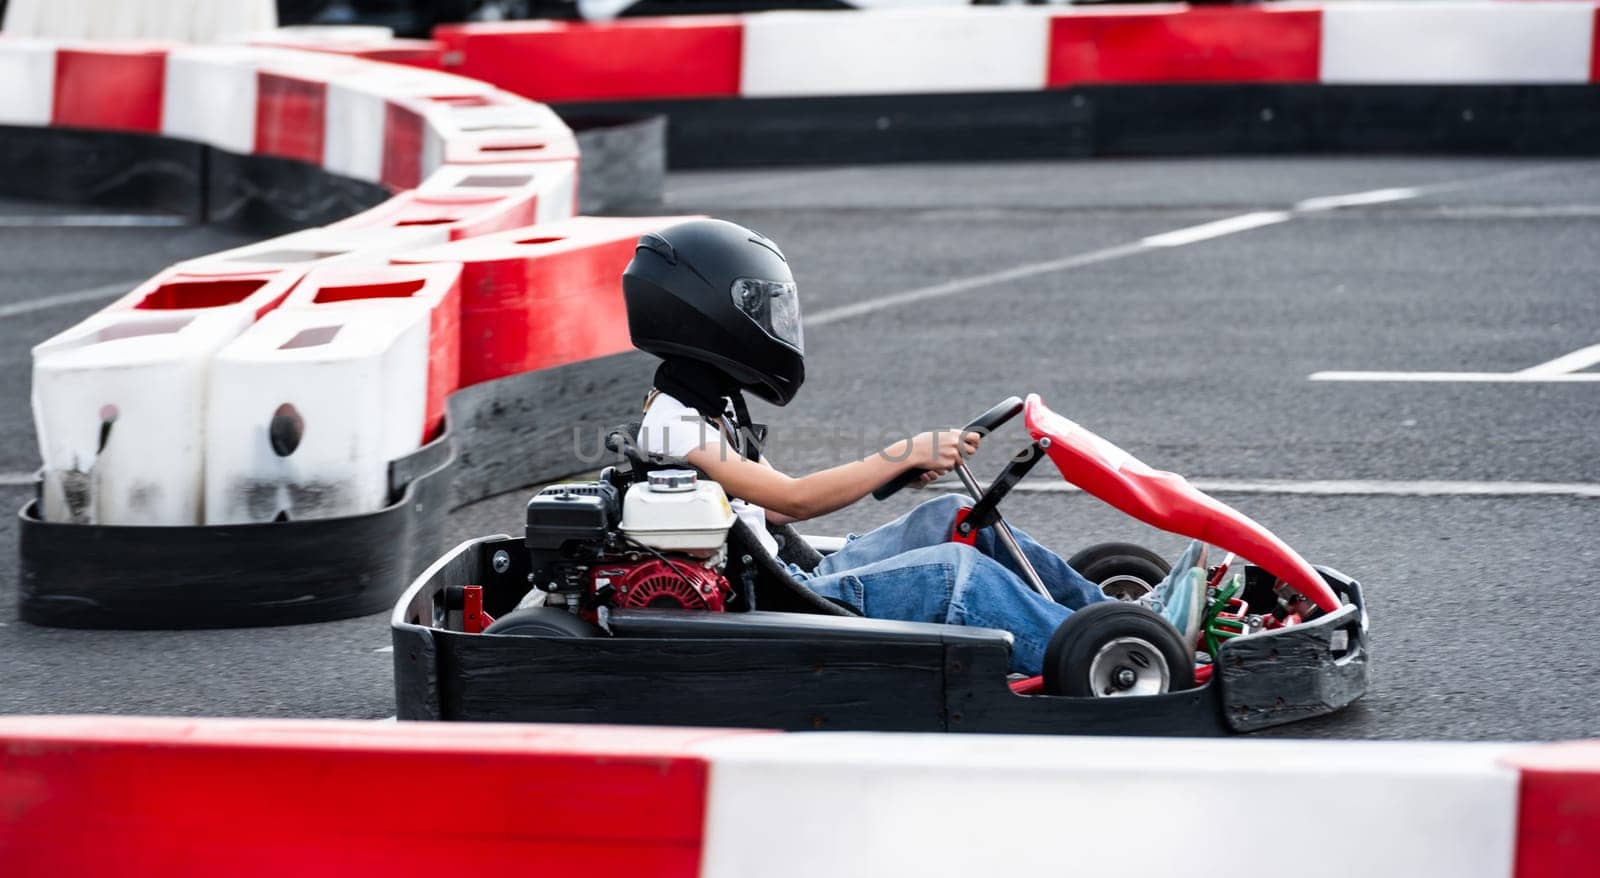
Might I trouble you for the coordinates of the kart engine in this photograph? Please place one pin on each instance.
(662, 544)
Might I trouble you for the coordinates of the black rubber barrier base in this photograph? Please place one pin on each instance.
(1131, 120)
(505, 434)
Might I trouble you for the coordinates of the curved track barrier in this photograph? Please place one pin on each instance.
(265, 797)
(240, 440)
(954, 83)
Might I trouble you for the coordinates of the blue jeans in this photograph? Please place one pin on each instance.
(909, 570)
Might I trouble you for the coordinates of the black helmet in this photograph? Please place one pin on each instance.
(718, 293)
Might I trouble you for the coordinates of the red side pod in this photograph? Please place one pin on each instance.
(110, 87)
(291, 117)
(1167, 500)
(176, 797)
(1228, 44)
(1558, 810)
(688, 57)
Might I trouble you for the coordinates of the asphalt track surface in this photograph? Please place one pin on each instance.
(972, 282)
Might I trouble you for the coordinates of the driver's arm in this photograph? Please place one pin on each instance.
(788, 498)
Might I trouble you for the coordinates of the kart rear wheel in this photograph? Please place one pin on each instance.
(1114, 649)
(1123, 571)
(542, 622)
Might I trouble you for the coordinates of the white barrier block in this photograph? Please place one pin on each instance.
(119, 405)
(27, 81)
(1426, 43)
(315, 248)
(853, 804)
(555, 184)
(210, 96)
(358, 106)
(307, 409)
(506, 116)
(895, 51)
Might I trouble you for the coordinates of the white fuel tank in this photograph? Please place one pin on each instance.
(673, 511)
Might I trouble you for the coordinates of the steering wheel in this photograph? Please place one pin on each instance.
(983, 424)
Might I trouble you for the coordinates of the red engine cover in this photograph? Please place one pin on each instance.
(682, 585)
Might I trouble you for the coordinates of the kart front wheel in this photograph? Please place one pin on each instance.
(1124, 571)
(1115, 649)
(542, 622)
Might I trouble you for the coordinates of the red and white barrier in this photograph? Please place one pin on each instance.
(348, 247)
(431, 289)
(119, 407)
(946, 50)
(265, 797)
(202, 287)
(210, 96)
(542, 296)
(358, 113)
(306, 409)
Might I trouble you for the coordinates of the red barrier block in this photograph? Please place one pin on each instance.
(690, 57)
(1558, 810)
(1227, 44)
(291, 117)
(405, 130)
(1594, 50)
(462, 213)
(435, 287)
(542, 296)
(245, 798)
(116, 87)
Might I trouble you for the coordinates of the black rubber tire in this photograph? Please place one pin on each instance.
(542, 622)
(1072, 648)
(1102, 561)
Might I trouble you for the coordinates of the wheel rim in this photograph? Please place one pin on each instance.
(1128, 666)
(1125, 587)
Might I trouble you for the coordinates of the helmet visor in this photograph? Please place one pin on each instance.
(774, 306)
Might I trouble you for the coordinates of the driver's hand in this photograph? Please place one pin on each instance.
(940, 450)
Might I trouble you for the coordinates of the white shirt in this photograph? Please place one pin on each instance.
(674, 429)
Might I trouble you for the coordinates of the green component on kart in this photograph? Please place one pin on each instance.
(1215, 629)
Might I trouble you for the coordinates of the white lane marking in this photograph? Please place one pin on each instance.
(961, 285)
(1357, 199)
(1577, 361)
(92, 221)
(92, 294)
(389, 648)
(1563, 369)
(1229, 226)
(1174, 238)
(17, 480)
(1456, 377)
(1354, 488)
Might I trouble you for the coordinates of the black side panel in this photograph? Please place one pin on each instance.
(624, 166)
(794, 685)
(1126, 120)
(276, 195)
(980, 701)
(541, 425)
(105, 168)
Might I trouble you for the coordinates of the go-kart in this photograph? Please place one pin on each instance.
(639, 598)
